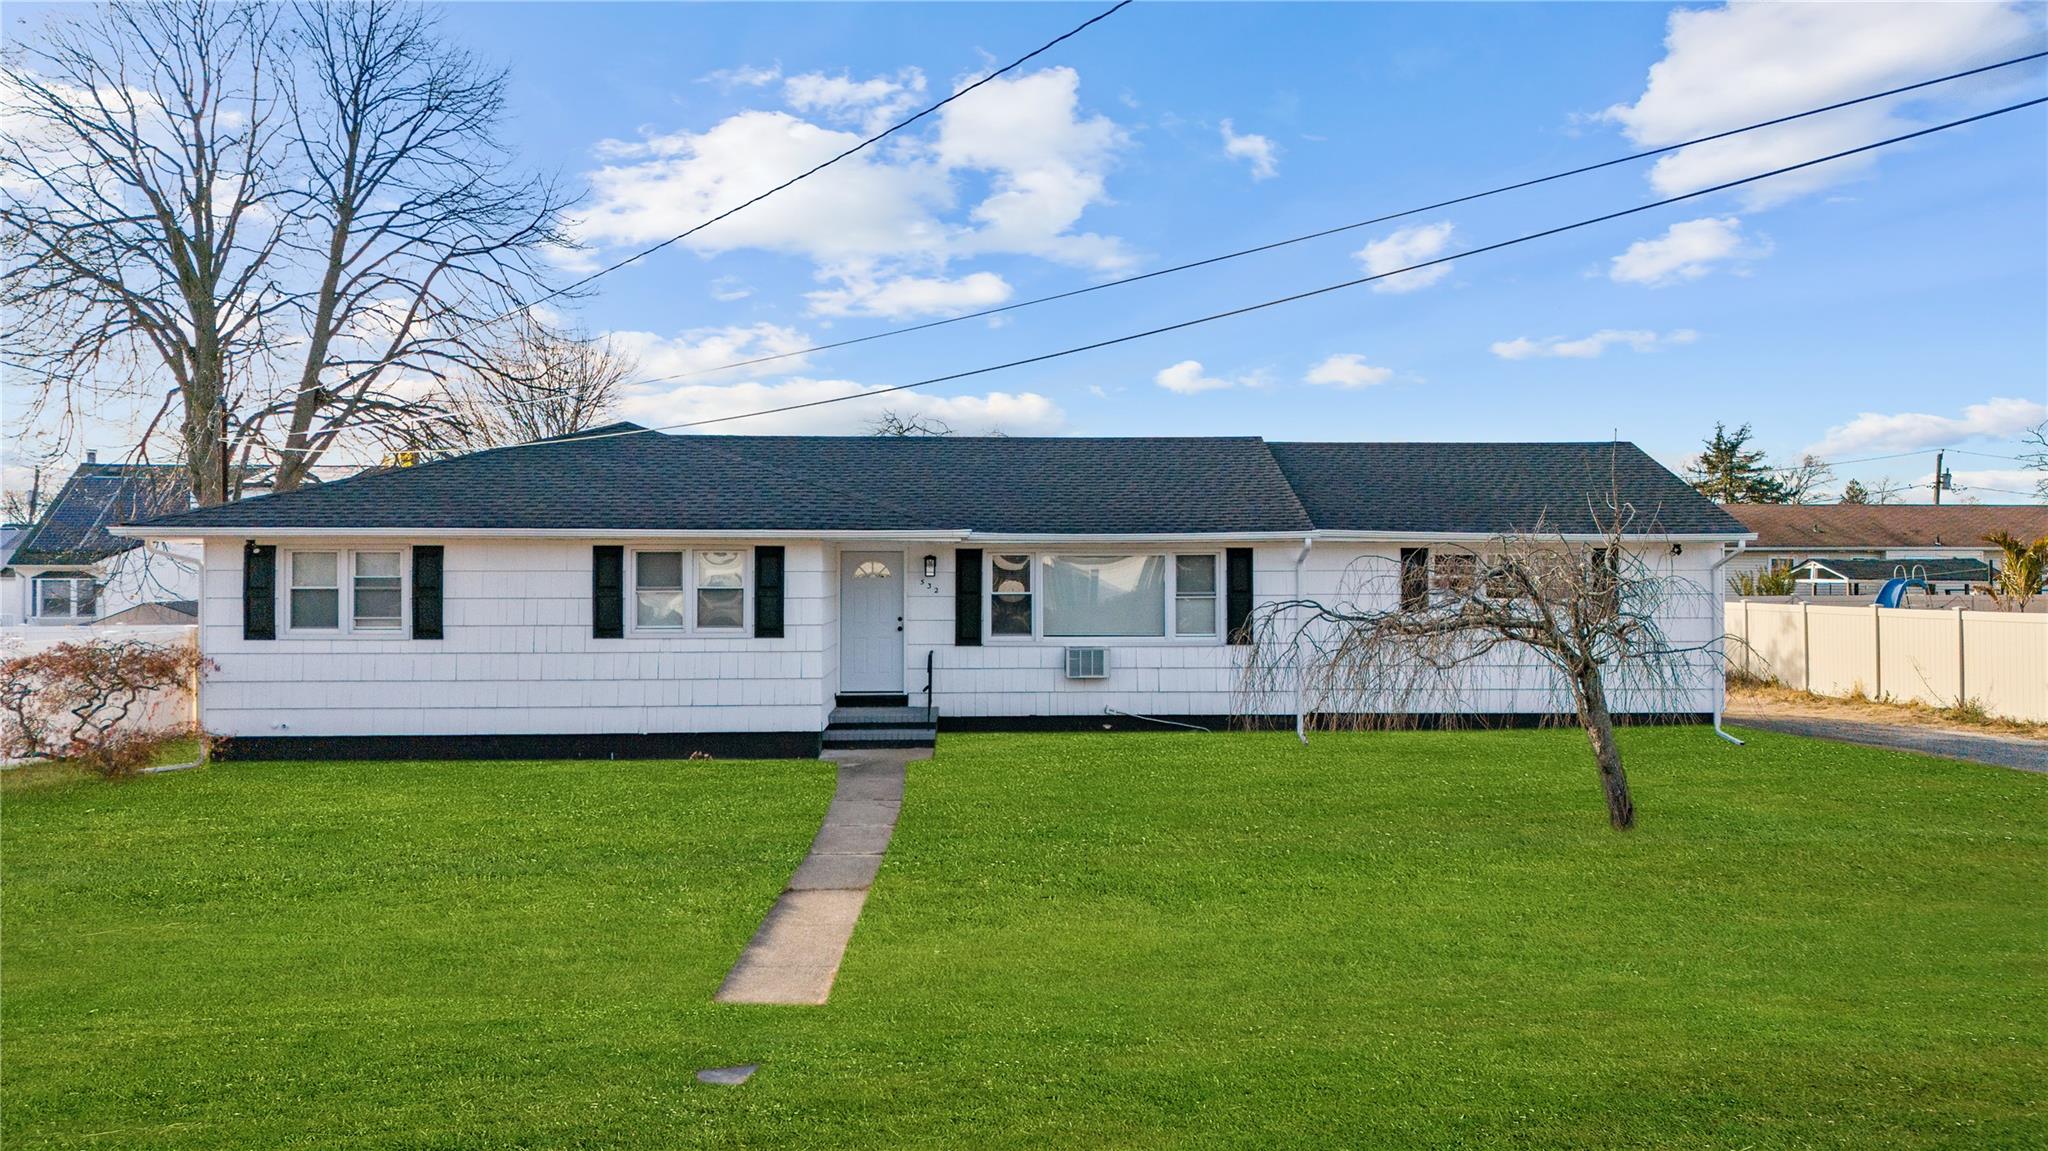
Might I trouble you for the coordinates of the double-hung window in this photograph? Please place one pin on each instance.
(1454, 574)
(681, 590)
(1010, 595)
(658, 599)
(1194, 595)
(342, 591)
(721, 590)
(316, 591)
(379, 592)
(66, 597)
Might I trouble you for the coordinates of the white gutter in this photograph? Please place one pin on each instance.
(943, 535)
(1300, 712)
(263, 533)
(1721, 693)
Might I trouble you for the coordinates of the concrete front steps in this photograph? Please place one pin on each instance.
(880, 721)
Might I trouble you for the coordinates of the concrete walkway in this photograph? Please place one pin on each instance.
(2015, 751)
(795, 955)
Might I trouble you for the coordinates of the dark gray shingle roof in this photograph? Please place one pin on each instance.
(1931, 567)
(74, 529)
(1487, 489)
(808, 483)
(1156, 486)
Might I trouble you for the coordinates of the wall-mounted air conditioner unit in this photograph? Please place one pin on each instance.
(1087, 663)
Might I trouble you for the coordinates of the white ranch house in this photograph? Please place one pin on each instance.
(625, 592)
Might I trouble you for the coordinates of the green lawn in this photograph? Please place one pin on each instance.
(1393, 940)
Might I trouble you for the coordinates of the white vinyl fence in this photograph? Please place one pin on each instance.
(1999, 659)
(175, 709)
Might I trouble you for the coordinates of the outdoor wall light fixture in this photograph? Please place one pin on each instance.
(931, 566)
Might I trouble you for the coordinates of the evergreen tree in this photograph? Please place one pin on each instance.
(1728, 471)
(1854, 492)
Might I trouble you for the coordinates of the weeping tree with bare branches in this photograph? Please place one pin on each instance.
(1424, 634)
(290, 226)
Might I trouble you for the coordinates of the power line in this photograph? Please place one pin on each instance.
(1338, 229)
(1266, 247)
(1340, 286)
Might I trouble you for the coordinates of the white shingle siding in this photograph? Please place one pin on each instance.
(518, 656)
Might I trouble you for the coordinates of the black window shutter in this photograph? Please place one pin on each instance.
(1414, 579)
(426, 591)
(1237, 594)
(608, 591)
(967, 597)
(259, 591)
(768, 564)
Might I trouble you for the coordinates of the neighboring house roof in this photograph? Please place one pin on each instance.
(1930, 567)
(1487, 489)
(997, 485)
(170, 611)
(75, 527)
(1811, 527)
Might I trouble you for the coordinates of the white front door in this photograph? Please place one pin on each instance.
(871, 622)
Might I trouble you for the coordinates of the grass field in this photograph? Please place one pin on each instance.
(1393, 940)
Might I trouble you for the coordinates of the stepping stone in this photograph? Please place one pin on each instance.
(728, 1076)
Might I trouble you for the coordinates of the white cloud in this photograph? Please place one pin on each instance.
(1997, 419)
(702, 349)
(1686, 251)
(1730, 66)
(874, 103)
(1045, 162)
(1010, 169)
(744, 76)
(1348, 370)
(902, 297)
(1403, 248)
(1186, 378)
(865, 206)
(1260, 152)
(1017, 413)
(1590, 347)
(726, 289)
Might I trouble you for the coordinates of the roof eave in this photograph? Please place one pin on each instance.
(148, 532)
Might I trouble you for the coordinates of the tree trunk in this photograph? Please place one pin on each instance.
(1599, 725)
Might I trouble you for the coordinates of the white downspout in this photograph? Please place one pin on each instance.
(1721, 693)
(1300, 714)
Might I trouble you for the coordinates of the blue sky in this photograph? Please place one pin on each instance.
(1893, 307)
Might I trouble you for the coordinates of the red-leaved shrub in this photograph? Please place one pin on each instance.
(74, 701)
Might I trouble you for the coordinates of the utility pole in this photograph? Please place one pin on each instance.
(1940, 479)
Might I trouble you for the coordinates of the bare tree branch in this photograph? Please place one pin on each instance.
(1427, 634)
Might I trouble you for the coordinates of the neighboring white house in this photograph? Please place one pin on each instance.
(625, 592)
(69, 568)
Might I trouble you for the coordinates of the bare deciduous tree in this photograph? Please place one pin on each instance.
(1806, 482)
(418, 234)
(291, 224)
(894, 423)
(544, 382)
(2035, 457)
(137, 193)
(1422, 638)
